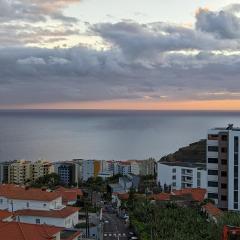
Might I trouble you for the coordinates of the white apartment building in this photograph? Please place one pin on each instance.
(181, 175)
(223, 163)
(87, 169)
(37, 206)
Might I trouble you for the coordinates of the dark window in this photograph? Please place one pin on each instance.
(213, 195)
(224, 161)
(212, 136)
(236, 184)
(235, 171)
(212, 172)
(235, 144)
(224, 185)
(236, 205)
(224, 137)
(174, 170)
(212, 184)
(235, 158)
(224, 198)
(212, 160)
(223, 150)
(235, 196)
(212, 148)
(223, 173)
(174, 177)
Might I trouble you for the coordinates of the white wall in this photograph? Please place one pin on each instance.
(165, 175)
(68, 222)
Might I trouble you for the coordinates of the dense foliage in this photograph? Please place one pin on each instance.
(170, 222)
(50, 180)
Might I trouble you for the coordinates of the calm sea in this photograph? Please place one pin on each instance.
(90, 134)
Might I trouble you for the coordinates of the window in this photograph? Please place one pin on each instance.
(235, 184)
(235, 196)
(224, 137)
(174, 170)
(1, 201)
(212, 148)
(44, 204)
(174, 177)
(212, 172)
(235, 158)
(27, 204)
(212, 160)
(224, 161)
(235, 171)
(213, 195)
(212, 184)
(235, 144)
(174, 184)
(38, 221)
(224, 150)
(224, 185)
(224, 198)
(212, 136)
(236, 205)
(223, 173)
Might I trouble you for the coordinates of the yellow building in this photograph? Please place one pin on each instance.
(40, 168)
(97, 167)
(19, 172)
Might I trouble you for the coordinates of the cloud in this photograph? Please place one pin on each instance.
(34, 10)
(149, 62)
(225, 24)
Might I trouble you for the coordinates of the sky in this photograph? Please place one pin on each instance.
(128, 54)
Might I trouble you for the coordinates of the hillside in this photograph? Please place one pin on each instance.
(194, 153)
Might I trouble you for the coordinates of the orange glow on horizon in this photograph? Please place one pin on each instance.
(136, 105)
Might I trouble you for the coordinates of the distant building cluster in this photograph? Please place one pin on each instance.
(72, 172)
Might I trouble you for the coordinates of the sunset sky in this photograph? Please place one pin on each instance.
(128, 54)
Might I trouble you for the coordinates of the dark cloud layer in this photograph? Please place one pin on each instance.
(156, 61)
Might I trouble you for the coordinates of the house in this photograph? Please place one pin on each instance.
(66, 217)
(23, 231)
(6, 216)
(212, 212)
(32, 205)
(70, 195)
(182, 197)
(15, 197)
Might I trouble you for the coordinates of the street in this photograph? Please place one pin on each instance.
(114, 228)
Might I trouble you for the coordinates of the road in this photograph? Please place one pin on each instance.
(115, 228)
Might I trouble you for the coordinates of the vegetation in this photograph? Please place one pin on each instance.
(168, 221)
(50, 181)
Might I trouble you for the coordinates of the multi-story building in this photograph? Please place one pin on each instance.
(147, 167)
(179, 175)
(223, 166)
(123, 167)
(66, 172)
(4, 171)
(19, 172)
(40, 168)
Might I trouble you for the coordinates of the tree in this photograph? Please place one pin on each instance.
(50, 180)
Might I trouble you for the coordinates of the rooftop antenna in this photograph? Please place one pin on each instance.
(230, 126)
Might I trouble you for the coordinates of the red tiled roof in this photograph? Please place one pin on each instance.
(25, 231)
(212, 209)
(198, 194)
(123, 196)
(5, 214)
(69, 194)
(63, 213)
(20, 192)
(161, 197)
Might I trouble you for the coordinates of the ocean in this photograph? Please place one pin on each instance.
(100, 134)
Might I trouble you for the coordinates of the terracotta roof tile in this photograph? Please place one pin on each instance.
(123, 196)
(12, 191)
(63, 213)
(5, 214)
(212, 209)
(161, 197)
(197, 194)
(25, 231)
(69, 194)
